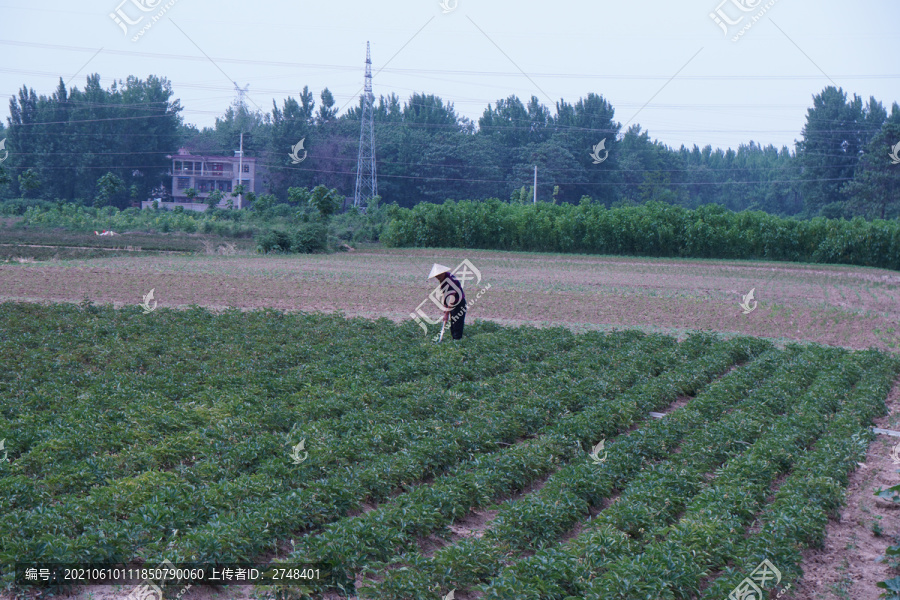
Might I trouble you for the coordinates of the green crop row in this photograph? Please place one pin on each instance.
(659, 493)
(541, 517)
(121, 429)
(799, 513)
(231, 443)
(467, 485)
(378, 428)
(99, 476)
(348, 544)
(188, 507)
(166, 415)
(714, 521)
(425, 457)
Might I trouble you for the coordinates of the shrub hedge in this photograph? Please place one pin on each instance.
(653, 229)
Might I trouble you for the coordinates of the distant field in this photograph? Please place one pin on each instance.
(42, 244)
(836, 305)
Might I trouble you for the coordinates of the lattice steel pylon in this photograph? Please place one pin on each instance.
(366, 183)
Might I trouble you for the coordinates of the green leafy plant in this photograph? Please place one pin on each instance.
(654, 228)
(893, 588)
(129, 430)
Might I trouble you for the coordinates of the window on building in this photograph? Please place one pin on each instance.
(182, 183)
(246, 168)
(216, 168)
(224, 186)
(206, 185)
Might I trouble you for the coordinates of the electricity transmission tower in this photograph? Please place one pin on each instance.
(366, 184)
(239, 104)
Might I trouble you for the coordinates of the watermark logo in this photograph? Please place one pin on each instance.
(295, 455)
(125, 21)
(751, 587)
(295, 158)
(3, 448)
(596, 153)
(595, 455)
(146, 591)
(455, 318)
(452, 297)
(146, 304)
(4, 153)
(724, 20)
(746, 303)
(150, 591)
(895, 453)
(121, 19)
(448, 5)
(894, 153)
(464, 271)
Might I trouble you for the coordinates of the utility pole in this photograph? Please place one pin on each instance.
(241, 171)
(366, 182)
(535, 184)
(240, 112)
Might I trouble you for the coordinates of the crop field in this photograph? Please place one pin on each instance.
(24, 245)
(227, 271)
(425, 468)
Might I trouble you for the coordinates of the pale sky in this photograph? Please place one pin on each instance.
(699, 86)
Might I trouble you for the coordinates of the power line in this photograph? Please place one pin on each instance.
(467, 73)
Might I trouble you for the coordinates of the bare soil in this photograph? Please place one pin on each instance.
(841, 306)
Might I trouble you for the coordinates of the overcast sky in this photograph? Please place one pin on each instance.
(665, 65)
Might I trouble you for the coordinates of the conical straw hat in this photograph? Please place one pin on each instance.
(437, 270)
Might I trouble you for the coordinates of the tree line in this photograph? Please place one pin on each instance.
(109, 146)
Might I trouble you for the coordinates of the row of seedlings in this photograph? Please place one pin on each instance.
(540, 518)
(814, 491)
(654, 498)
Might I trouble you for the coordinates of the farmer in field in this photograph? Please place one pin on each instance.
(453, 299)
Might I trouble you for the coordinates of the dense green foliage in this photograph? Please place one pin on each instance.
(109, 144)
(654, 229)
(307, 238)
(169, 435)
(427, 153)
(843, 156)
(302, 226)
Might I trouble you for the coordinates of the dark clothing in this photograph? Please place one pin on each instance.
(452, 291)
(454, 298)
(458, 320)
